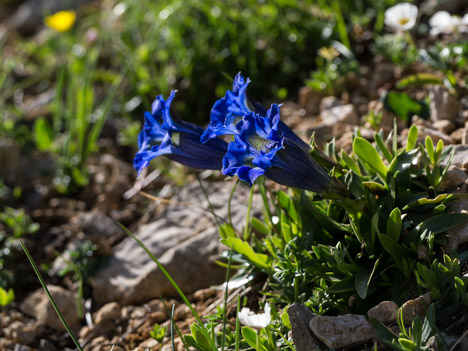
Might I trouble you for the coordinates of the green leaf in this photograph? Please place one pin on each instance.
(425, 201)
(250, 336)
(287, 204)
(430, 149)
(367, 153)
(384, 333)
(203, 343)
(412, 138)
(6, 297)
(391, 246)
(242, 247)
(419, 79)
(394, 224)
(407, 344)
(404, 106)
(441, 223)
(227, 231)
(43, 134)
(346, 284)
(374, 187)
(259, 226)
(383, 148)
(363, 279)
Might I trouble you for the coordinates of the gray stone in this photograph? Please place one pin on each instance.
(460, 159)
(459, 234)
(415, 308)
(21, 333)
(45, 345)
(444, 126)
(185, 240)
(300, 317)
(97, 223)
(342, 331)
(109, 311)
(386, 312)
(454, 178)
(38, 306)
(443, 105)
(310, 99)
(329, 102)
(343, 114)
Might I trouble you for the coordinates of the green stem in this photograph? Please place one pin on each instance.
(247, 221)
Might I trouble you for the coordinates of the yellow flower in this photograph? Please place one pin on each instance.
(61, 21)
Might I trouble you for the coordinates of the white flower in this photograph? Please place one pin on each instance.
(401, 17)
(253, 320)
(443, 22)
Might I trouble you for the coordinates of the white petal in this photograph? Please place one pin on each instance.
(253, 320)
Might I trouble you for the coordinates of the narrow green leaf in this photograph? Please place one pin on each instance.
(419, 79)
(392, 247)
(203, 343)
(346, 284)
(259, 226)
(367, 153)
(394, 224)
(260, 260)
(43, 134)
(383, 148)
(362, 281)
(250, 337)
(441, 223)
(350, 162)
(430, 149)
(412, 138)
(407, 344)
(287, 204)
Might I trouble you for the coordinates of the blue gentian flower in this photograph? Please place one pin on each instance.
(261, 148)
(228, 111)
(178, 140)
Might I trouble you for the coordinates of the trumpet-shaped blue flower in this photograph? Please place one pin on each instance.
(228, 111)
(261, 148)
(175, 139)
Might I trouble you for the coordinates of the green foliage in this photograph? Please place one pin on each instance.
(158, 333)
(187, 44)
(414, 338)
(346, 254)
(6, 297)
(334, 65)
(17, 224)
(404, 106)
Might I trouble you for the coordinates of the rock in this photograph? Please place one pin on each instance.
(19, 347)
(345, 142)
(415, 308)
(300, 317)
(386, 312)
(444, 126)
(45, 345)
(457, 135)
(460, 159)
(310, 99)
(342, 331)
(459, 234)
(185, 240)
(343, 114)
(443, 105)
(464, 136)
(149, 344)
(109, 311)
(97, 223)
(21, 333)
(38, 306)
(434, 343)
(329, 102)
(454, 178)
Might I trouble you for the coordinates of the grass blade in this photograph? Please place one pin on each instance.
(51, 299)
